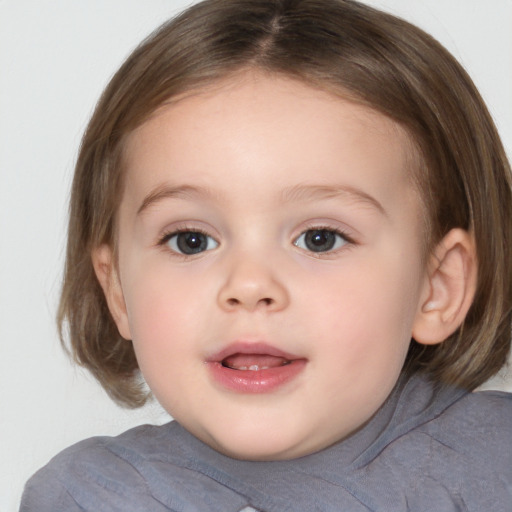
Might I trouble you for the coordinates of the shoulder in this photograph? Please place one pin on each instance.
(467, 450)
(493, 405)
(99, 469)
(447, 449)
(479, 425)
(157, 468)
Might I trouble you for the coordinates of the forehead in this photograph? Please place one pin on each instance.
(255, 125)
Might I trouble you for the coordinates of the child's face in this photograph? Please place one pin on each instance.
(268, 224)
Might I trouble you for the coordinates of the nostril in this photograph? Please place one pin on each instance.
(266, 301)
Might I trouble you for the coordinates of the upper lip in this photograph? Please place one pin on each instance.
(257, 348)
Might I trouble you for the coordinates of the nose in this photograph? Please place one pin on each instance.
(251, 285)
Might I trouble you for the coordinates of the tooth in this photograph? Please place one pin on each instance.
(243, 368)
(254, 367)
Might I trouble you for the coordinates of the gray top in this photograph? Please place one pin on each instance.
(426, 449)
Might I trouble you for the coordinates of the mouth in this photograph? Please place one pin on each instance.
(253, 362)
(254, 367)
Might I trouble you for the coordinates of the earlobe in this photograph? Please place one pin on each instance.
(450, 286)
(106, 272)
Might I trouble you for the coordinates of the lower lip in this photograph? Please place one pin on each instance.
(256, 381)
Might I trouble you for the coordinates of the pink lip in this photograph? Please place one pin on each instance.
(245, 347)
(254, 381)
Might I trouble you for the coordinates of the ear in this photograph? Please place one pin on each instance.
(449, 288)
(106, 272)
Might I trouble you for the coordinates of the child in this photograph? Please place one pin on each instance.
(293, 219)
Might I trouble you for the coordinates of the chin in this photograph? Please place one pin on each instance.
(261, 447)
(256, 453)
(246, 445)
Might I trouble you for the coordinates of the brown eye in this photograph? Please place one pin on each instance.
(191, 242)
(320, 240)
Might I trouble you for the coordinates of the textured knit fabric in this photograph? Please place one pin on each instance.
(427, 449)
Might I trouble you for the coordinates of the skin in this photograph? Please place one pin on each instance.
(255, 163)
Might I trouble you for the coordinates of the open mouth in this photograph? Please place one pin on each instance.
(254, 368)
(254, 362)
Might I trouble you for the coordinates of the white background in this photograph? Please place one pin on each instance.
(55, 58)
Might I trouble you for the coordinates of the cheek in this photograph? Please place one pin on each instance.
(158, 310)
(169, 312)
(366, 315)
(158, 318)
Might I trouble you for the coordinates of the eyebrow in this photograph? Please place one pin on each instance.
(291, 194)
(315, 192)
(165, 191)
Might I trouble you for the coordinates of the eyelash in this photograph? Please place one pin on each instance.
(347, 240)
(166, 237)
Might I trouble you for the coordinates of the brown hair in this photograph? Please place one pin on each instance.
(346, 48)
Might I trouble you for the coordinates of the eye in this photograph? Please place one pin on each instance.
(190, 242)
(321, 240)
